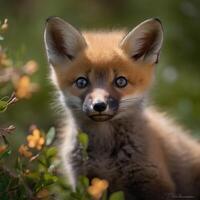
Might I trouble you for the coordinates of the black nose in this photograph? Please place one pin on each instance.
(100, 106)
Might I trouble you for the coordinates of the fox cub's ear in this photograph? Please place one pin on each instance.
(62, 41)
(144, 41)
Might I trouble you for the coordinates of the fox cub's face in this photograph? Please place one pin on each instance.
(102, 73)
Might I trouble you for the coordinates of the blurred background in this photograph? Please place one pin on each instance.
(177, 88)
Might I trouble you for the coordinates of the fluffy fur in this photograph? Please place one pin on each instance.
(138, 150)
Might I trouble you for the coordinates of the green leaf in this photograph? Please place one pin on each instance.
(18, 164)
(33, 176)
(51, 152)
(84, 181)
(1, 38)
(62, 183)
(3, 105)
(104, 197)
(83, 139)
(49, 179)
(6, 153)
(117, 196)
(4, 181)
(50, 136)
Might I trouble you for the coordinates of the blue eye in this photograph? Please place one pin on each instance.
(121, 82)
(81, 82)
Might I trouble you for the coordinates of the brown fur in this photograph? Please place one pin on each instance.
(139, 150)
(145, 155)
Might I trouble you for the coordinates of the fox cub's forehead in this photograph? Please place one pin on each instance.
(103, 46)
(103, 39)
(102, 57)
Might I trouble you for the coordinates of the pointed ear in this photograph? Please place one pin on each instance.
(144, 42)
(62, 41)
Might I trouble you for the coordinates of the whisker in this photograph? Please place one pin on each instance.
(125, 105)
(124, 108)
(133, 99)
(127, 102)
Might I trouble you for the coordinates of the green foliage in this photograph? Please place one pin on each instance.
(35, 174)
(3, 105)
(117, 196)
(38, 177)
(50, 136)
(5, 153)
(83, 140)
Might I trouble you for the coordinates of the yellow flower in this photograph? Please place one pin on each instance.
(3, 148)
(97, 188)
(35, 140)
(23, 87)
(23, 150)
(31, 67)
(100, 184)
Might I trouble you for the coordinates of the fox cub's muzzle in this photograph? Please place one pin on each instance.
(99, 105)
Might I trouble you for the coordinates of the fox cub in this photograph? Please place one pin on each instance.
(102, 80)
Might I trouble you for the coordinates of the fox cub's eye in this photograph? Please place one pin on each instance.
(81, 82)
(121, 82)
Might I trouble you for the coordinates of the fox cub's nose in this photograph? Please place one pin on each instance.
(100, 106)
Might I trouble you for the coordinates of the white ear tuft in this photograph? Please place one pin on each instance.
(144, 42)
(62, 41)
